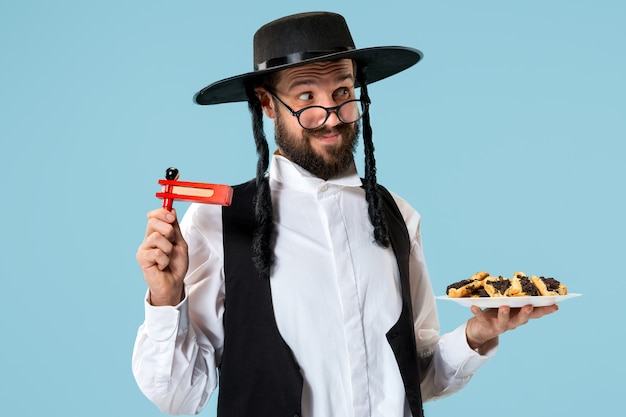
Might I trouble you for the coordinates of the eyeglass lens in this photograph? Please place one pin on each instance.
(313, 117)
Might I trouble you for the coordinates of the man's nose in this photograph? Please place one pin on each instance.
(333, 117)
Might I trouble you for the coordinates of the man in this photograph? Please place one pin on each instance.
(309, 294)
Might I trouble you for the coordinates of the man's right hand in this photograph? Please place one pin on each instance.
(163, 258)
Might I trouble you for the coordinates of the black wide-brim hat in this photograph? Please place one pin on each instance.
(303, 39)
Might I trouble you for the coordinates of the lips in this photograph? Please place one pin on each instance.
(326, 137)
(331, 138)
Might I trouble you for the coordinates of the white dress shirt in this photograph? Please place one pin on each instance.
(335, 294)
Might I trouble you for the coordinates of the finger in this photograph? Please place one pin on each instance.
(503, 318)
(166, 223)
(154, 250)
(476, 311)
(542, 311)
(151, 257)
(165, 229)
(161, 260)
(163, 215)
(522, 317)
(158, 241)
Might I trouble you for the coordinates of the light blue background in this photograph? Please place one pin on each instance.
(508, 138)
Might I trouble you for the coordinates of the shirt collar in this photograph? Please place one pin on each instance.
(287, 174)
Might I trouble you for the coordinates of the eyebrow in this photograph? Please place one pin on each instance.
(306, 81)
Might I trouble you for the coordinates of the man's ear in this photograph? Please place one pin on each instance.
(266, 102)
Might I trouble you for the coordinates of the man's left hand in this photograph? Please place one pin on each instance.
(483, 329)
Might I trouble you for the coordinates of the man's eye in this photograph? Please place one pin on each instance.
(305, 96)
(343, 92)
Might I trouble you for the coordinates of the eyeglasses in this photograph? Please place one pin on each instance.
(313, 117)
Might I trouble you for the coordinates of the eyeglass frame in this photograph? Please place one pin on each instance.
(364, 108)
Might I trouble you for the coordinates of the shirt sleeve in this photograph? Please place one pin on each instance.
(454, 362)
(178, 348)
(451, 361)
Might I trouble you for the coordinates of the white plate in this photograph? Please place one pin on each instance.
(495, 302)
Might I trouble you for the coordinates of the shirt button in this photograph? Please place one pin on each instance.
(323, 188)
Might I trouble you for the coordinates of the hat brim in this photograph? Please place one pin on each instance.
(379, 62)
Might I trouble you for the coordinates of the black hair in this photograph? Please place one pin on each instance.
(372, 195)
(262, 251)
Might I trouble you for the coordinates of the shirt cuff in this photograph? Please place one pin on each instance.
(164, 322)
(458, 355)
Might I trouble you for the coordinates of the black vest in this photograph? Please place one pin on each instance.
(259, 375)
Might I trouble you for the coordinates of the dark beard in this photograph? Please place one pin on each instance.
(299, 150)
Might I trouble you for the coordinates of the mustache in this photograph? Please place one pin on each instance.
(324, 130)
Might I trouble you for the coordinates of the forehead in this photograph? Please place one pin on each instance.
(317, 73)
